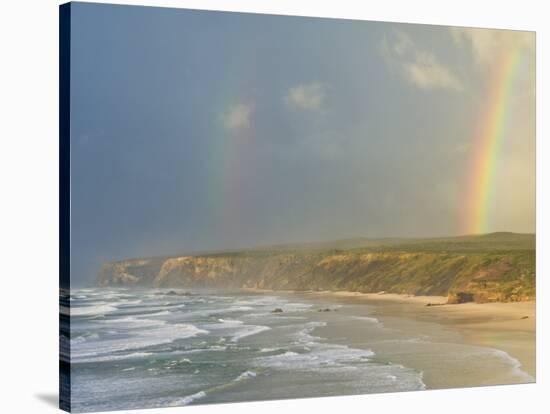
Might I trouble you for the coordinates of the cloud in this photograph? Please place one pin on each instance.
(426, 72)
(309, 96)
(238, 116)
(420, 67)
(489, 44)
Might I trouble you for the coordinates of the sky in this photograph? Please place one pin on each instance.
(196, 130)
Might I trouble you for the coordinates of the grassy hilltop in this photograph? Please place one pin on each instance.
(491, 267)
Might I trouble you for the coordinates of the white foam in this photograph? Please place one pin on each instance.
(133, 322)
(230, 322)
(143, 338)
(235, 309)
(260, 300)
(94, 310)
(160, 313)
(83, 338)
(324, 356)
(248, 330)
(515, 365)
(106, 358)
(216, 348)
(366, 319)
(189, 399)
(304, 336)
(296, 307)
(84, 290)
(128, 302)
(236, 329)
(264, 350)
(245, 375)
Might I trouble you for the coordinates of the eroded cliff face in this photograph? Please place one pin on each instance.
(132, 272)
(479, 277)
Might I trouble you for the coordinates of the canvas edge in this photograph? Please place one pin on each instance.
(64, 205)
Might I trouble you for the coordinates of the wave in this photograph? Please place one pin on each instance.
(211, 348)
(211, 312)
(108, 358)
(129, 302)
(304, 336)
(133, 340)
(235, 329)
(323, 356)
(188, 399)
(84, 337)
(274, 301)
(297, 307)
(160, 313)
(85, 290)
(265, 350)
(230, 322)
(248, 330)
(133, 322)
(366, 318)
(146, 309)
(172, 305)
(245, 375)
(94, 310)
(235, 309)
(260, 300)
(514, 363)
(201, 394)
(144, 346)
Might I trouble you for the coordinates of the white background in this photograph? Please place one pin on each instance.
(29, 191)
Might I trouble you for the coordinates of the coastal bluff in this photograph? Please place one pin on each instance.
(497, 267)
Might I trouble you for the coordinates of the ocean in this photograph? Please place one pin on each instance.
(153, 348)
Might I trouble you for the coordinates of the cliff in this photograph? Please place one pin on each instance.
(496, 267)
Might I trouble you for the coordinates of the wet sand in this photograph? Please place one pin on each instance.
(509, 327)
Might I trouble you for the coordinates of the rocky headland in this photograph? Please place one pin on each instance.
(497, 267)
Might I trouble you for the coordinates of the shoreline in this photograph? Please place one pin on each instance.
(505, 326)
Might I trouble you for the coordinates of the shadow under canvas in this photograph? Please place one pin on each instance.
(51, 399)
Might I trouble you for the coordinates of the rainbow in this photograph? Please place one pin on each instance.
(233, 154)
(492, 131)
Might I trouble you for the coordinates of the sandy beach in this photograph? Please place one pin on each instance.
(509, 327)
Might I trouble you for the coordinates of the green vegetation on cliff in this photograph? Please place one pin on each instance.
(492, 267)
